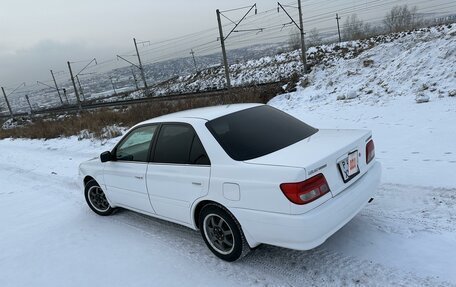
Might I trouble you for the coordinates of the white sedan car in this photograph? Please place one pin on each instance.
(243, 175)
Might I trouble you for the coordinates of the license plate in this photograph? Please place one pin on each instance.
(349, 166)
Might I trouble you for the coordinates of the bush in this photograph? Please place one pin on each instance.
(100, 123)
(401, 18)
(355, 29)
(294, 41)
(314, 38)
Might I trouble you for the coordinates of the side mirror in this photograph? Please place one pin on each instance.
(106, 156)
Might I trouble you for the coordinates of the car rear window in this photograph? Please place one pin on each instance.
(257, 131)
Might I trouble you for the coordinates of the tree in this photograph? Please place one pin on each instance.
(294, 41)
(401, 18)
(314, 38)
(355, 29)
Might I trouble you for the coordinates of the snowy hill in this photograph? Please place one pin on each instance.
(417, 63)
(384, 65)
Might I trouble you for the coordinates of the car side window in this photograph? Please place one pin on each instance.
(198, 154)
(135, 147)
(179, 144)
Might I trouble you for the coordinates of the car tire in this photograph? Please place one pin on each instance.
(222, 233)
(96, 199)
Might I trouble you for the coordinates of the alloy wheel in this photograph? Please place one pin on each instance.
(98, 199)
(219, 234)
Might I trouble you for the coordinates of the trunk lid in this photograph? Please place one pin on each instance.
(321, 153)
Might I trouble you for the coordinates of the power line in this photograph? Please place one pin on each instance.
(270, 25)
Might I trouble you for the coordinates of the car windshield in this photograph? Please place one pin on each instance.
(257, 131)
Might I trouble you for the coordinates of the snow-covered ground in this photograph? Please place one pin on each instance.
(405, 237)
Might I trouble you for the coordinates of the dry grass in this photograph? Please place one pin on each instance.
(94, 121)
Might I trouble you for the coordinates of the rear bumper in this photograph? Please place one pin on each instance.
(311, 229)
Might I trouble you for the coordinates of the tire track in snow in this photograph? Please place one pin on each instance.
(274, 266)
(408, 209)
(268, 265)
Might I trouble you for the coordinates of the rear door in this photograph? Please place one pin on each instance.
(125, 177)
(178, 173)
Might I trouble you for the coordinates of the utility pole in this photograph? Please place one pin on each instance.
(222, 43)
(80, 88)
(44, 84)
(141, 68)
(194, 60)
(28, 101)
(7, 103)
(134, 78)
(223, 38)
(303, 44)
(56, 87)
(338, 27)
(74, 86)
(301, 30)
(113, 87)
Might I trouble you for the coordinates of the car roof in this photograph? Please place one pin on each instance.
(207, 113)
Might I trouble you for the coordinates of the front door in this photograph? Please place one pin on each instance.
(125, 177)
(178, 173)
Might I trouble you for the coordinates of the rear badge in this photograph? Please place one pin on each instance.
(317, 169)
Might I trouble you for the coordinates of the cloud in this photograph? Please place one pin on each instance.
(34, 63)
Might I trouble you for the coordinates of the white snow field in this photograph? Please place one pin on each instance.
(405, 237)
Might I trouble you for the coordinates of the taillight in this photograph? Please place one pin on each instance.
(370, 151)
(306, 191)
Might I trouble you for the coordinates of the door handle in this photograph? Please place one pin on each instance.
(139, 177)
(197, 183)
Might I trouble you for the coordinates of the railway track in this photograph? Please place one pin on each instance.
(174, 97)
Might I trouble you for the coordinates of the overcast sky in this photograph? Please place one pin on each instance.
(40, 35)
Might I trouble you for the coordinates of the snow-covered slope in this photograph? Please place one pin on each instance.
(419, 63)
(425, 50)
